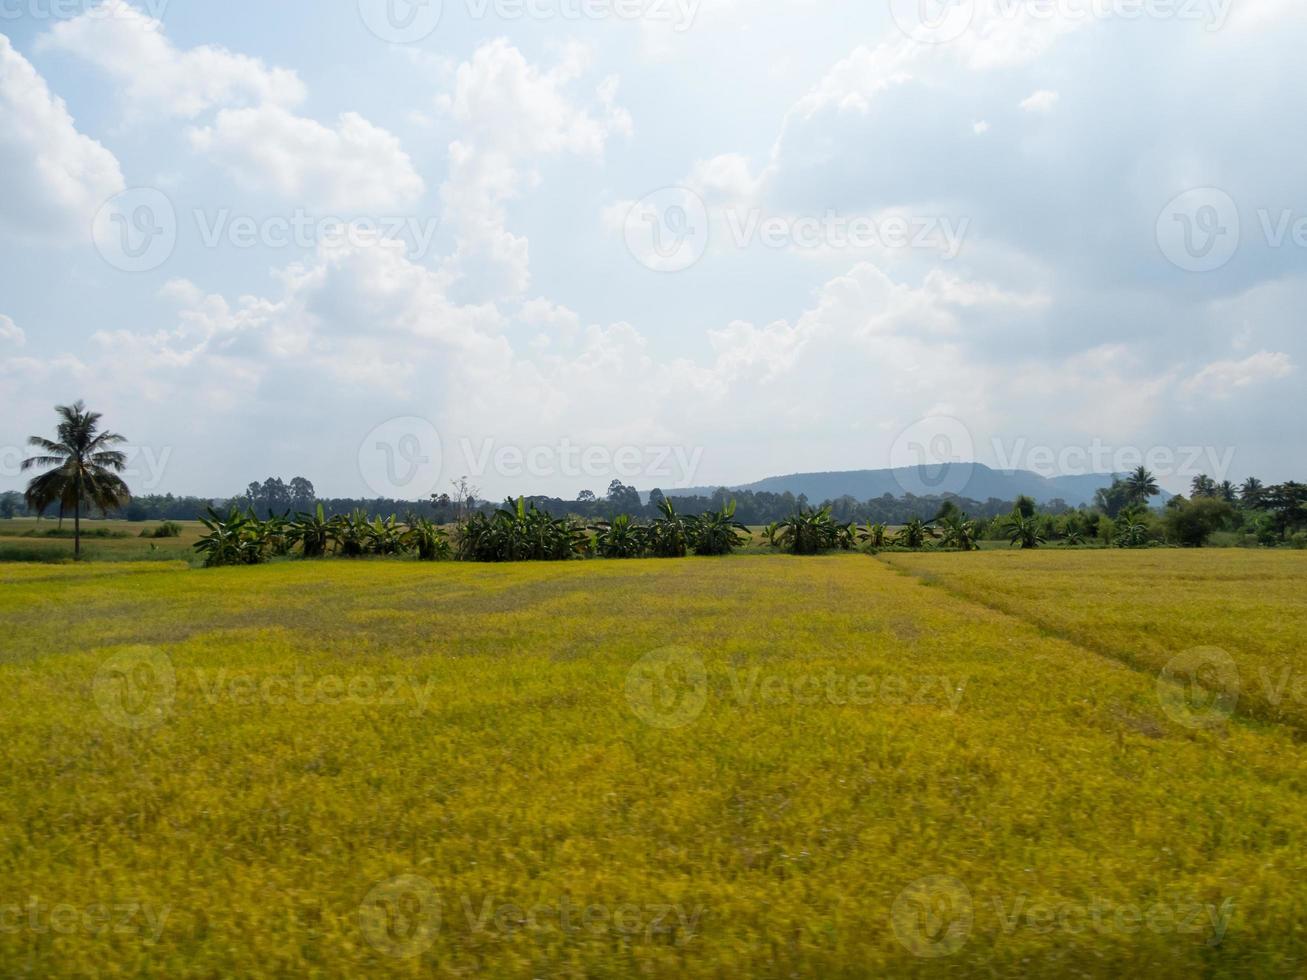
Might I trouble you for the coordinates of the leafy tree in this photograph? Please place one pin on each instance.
(623, 498)
(276, 495)
(1287, 503)
(1193, 523)
(9, 505)
(86, 469)
(302, 494)
(1114, 499)
(1025, 506)
(585, 497)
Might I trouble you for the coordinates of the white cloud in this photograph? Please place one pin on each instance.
(727, 178)
(155, 77)
(1222, 379)
(980, 128)
(10, 332)
(55, 178)
(1041, 101)
(511, 114)
(354, 167)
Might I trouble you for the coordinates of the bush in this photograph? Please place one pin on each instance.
(1192, 523)
(168, 529)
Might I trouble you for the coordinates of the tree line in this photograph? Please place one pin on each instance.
(82, 468)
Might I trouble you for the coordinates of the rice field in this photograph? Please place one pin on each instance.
(760, 765)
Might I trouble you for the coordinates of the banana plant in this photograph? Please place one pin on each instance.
(810, 532)
(517, 532)
(1131, 532)
(427, 539)
(350, 532)
(914, 534)
(1024, 531)
(312, 532)
(620, 538)
(717, 532)
(875, 535)
(236, 539)
(669, 535)
(960, 532)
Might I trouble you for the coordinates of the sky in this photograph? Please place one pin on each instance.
(545, 244)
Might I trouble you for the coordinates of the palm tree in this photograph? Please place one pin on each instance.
(1227, 491)
(1250, 494)
(85, 468)
(1141, 485)
(1202, 486)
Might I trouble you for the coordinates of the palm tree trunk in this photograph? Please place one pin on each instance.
(77, 521)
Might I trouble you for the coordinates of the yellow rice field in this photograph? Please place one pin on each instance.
(761, 765)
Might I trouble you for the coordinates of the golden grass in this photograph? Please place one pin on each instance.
(762, 766)
(1242, 607)
(17, 542)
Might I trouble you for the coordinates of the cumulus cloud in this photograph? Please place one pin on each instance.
(1041, 101)
(354, 166)
(350, 166)
(55, 177)
(155, 77)
(10, 332)
(1223, 379)
(512, 114)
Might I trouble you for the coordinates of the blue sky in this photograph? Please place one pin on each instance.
(546, 244)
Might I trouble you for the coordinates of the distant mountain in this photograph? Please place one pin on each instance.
(973, 480)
